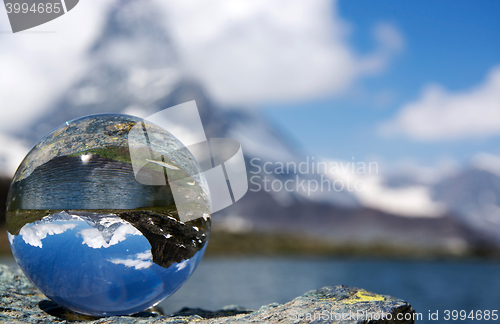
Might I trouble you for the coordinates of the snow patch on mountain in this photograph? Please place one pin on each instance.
(372, 191)
(104, 231)
(487, 162)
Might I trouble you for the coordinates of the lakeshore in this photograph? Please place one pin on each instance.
(230, 244)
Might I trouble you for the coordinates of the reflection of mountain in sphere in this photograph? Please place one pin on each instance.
(90, 236)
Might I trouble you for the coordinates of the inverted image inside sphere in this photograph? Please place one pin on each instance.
(99, 234)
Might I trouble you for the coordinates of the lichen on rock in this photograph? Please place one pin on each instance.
(20, 302)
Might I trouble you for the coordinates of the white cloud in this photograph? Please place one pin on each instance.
(243, 51)
(371, 191)
(34, 234)
(38, 64)
(94, 238)
(181, 265)
(439, 115)
(139, 261)
(12, 152)
(250, 51)
(390, 42)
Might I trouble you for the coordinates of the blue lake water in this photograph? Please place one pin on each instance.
(427, 286)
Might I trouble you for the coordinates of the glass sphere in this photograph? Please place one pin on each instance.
(96, 233)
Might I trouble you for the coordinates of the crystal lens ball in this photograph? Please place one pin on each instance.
(108, 215)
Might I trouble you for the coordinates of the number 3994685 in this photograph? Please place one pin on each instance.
(42, 7)
(479, 315)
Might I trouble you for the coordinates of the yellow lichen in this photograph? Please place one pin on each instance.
(121, 126)
(363, 296)
(59, 132)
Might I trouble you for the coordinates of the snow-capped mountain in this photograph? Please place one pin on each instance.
(104, 231)
(473, 195)
(135, 70)
(132, 64)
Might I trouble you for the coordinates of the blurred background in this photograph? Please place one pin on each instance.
(371, 131)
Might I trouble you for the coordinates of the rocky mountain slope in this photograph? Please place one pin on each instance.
(135, 69)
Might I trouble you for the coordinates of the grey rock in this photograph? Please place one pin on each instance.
(20, 302)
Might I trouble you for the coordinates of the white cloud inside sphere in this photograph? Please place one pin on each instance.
(34, 234)
(139, 261)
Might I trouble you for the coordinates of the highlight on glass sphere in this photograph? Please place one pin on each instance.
(96, 234)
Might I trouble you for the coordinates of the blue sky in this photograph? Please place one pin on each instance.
(454, 44)
(403, 83)
(375, 80)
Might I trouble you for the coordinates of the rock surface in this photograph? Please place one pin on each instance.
(21, 302)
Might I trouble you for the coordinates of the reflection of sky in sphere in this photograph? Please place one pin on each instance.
(90, 268)
(111, 245)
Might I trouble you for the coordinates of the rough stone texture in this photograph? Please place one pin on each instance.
(20, 302)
